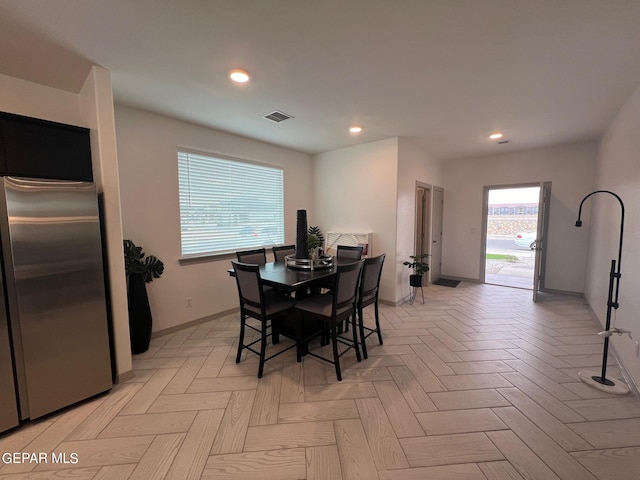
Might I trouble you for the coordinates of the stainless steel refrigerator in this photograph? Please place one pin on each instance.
(54, 339)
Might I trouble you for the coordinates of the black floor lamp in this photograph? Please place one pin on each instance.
(601, 382)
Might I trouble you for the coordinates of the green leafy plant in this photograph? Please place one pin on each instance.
(315, 238)
(149, 267)
(500, 256)
(417, 264)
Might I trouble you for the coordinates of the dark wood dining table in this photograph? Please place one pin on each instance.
(287, 279)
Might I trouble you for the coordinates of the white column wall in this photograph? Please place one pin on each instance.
(570, 168)
(147, 156)
(96, 103)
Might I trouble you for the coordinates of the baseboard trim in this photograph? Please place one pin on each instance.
(123, 377)
(625, 374)
(461, 279)
(562, 292)
(193, 323)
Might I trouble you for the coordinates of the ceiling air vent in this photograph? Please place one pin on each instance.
(277, 116)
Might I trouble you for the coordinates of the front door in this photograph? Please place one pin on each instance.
(541, 238)
(511, 238)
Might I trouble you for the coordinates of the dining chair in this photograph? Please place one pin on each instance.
(280, 252)
(260, 305)
(368, 295)
(345, 252)
(333, 308)
(257, 256)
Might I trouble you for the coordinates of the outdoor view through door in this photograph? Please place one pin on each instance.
(512, 220)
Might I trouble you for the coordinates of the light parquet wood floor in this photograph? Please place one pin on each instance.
(477, 383)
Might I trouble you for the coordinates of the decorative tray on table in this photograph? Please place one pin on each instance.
(323, 261)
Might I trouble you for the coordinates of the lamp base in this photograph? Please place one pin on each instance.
(619, 387)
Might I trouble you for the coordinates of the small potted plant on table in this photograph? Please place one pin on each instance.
(315, 241)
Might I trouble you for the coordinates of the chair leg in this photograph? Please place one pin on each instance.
(263, 347)
(336, 358)
(377, 322)
(275, 331)
(343, 326)
(299, 320)
(241, 339)
(362, 337)
(355, 335)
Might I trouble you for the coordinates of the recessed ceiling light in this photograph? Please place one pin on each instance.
(355, 129)
(239, 75)
(495, 136)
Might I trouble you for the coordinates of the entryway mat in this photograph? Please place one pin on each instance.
(445, 282)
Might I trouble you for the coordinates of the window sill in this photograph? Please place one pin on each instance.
(206, 258)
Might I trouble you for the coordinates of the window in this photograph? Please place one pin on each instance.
(228, 205)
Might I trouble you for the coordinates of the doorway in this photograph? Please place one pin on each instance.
(428, 232)
(514, 235)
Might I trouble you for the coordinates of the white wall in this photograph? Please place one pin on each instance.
(570, 168)
(147, 155)
(618, 170)
(414, 166)
(90, 109)
(39, 101)
(355, 192)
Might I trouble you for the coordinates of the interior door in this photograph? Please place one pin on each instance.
(423, 220)
(541, 238)
(437, 205)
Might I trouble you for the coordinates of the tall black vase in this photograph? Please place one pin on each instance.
(302, 249)
(140, 321)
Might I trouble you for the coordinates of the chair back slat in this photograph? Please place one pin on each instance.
(279, 253)
(248, 280)
(256, 257)
(345, 252)
(347, 281)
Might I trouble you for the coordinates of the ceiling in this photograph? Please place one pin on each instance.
(447, 73)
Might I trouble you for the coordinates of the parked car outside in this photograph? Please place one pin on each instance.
(526, 240)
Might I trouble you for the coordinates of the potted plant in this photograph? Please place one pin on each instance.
(315, 240)
(420, 268)
(139, 270)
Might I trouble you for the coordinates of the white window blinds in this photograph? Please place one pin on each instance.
(228, 205)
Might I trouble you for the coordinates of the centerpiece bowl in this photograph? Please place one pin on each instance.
(322, 261)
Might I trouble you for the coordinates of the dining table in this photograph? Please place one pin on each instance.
(291, 279)
(303, 282)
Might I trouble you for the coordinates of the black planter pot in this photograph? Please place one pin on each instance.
(415, 280)
(140, 321)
